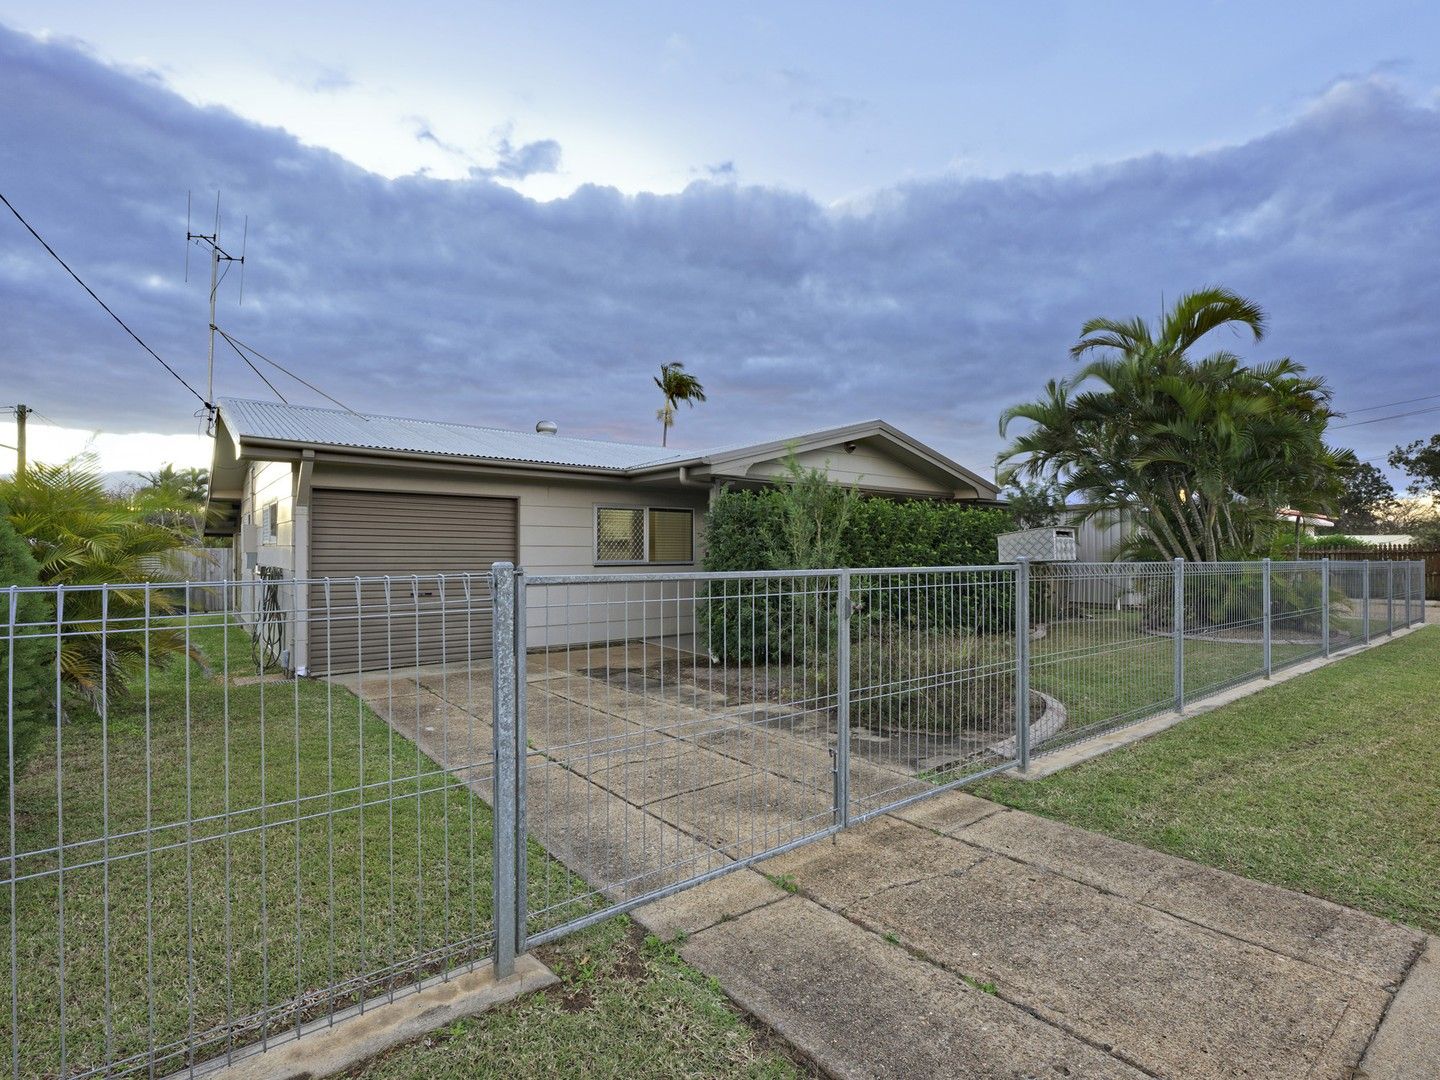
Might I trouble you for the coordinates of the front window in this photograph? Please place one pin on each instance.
(644, 534)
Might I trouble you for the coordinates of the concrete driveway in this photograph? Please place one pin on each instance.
(952, 938)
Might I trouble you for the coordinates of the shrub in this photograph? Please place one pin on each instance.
(29, 685)
(922, 678)
(810, 523)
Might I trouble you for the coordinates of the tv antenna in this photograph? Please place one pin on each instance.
(218, 255)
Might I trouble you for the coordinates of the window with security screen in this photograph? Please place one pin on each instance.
(639, 534)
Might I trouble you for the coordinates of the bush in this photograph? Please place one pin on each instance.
(31, 690)
(922, 678)
(809, 523)
(741, 529)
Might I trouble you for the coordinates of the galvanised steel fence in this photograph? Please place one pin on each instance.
(208, 855)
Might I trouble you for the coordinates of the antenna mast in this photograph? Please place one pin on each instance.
(217, 255)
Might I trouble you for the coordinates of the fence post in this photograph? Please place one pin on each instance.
(842, 702)
(1022, 663)
(1365, 605)
(1178, 622)
(1389, 597)
(1408, 576)
(1265, 601)
(521, 742)
(1325, 603)
(504, 797)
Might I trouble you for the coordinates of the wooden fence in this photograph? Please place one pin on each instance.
(1389, 552)
(199, 564)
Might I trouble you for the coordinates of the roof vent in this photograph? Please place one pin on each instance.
(547, 427)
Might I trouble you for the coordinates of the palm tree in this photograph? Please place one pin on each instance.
(677, 386)
(1201, 453)
(81, 535)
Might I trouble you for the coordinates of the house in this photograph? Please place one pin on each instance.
(310, 493)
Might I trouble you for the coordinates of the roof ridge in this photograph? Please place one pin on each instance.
(454, 424)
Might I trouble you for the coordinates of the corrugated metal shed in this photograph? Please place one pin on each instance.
(247, 419)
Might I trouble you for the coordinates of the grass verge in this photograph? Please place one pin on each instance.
(627, 1007)
(1324, 784)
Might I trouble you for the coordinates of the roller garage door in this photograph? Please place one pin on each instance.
(369, 534)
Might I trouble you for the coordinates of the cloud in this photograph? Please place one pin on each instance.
(528, 159)
(933, 303)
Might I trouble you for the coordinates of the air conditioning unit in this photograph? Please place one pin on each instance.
(1053, 544)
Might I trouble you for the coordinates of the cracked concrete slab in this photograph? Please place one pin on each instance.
(1340, 939)
(947, 813)
(701, 907)
(861, 1008)
(859, 863)
(1173, 998)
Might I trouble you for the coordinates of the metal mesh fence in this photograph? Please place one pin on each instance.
(206, 853)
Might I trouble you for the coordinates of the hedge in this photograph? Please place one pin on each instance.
(880, 533)
(791, 620)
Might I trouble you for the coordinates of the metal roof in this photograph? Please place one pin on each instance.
(247, 419)
(308, 425)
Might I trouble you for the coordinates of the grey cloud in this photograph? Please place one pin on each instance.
(933, 303)
(528, 159)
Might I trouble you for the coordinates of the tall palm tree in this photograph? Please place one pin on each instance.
(677, 386)
(1201, 453)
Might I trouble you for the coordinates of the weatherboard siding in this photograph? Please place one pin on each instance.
(865, 466)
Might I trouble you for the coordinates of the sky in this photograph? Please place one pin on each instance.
(829, 212)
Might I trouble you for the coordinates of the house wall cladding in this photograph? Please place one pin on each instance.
(553, 526)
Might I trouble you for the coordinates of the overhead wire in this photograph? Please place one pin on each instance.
(108, 310)
(252, 367)
(1394, 416)
(237, 345)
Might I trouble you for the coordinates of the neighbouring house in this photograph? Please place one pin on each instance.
(310, 493)
(1304, 523)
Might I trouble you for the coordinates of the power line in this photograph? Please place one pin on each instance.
(1395, 416)
(237, 344)
(140, 341)
(1393, 404)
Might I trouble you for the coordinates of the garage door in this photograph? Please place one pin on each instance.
(362, 534)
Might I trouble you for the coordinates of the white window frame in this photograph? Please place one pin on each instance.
(644, 511)
(270, 523)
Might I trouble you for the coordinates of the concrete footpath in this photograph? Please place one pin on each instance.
(956, 938)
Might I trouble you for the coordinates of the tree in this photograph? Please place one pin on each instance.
(30, 672)
(677, 386)
(1365, 496)
(79, 534)
(174, 498)
(1200, 453)
(1420, 461)
(1034, 504)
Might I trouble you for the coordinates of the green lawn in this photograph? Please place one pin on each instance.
(626, 1008)
(1106, 668)
(316, 890)
(1325, 784)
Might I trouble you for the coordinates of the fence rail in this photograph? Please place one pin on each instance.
(205, 855)
(1429, 556)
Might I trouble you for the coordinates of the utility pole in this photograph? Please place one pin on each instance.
(217, 256)
(21, 412)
